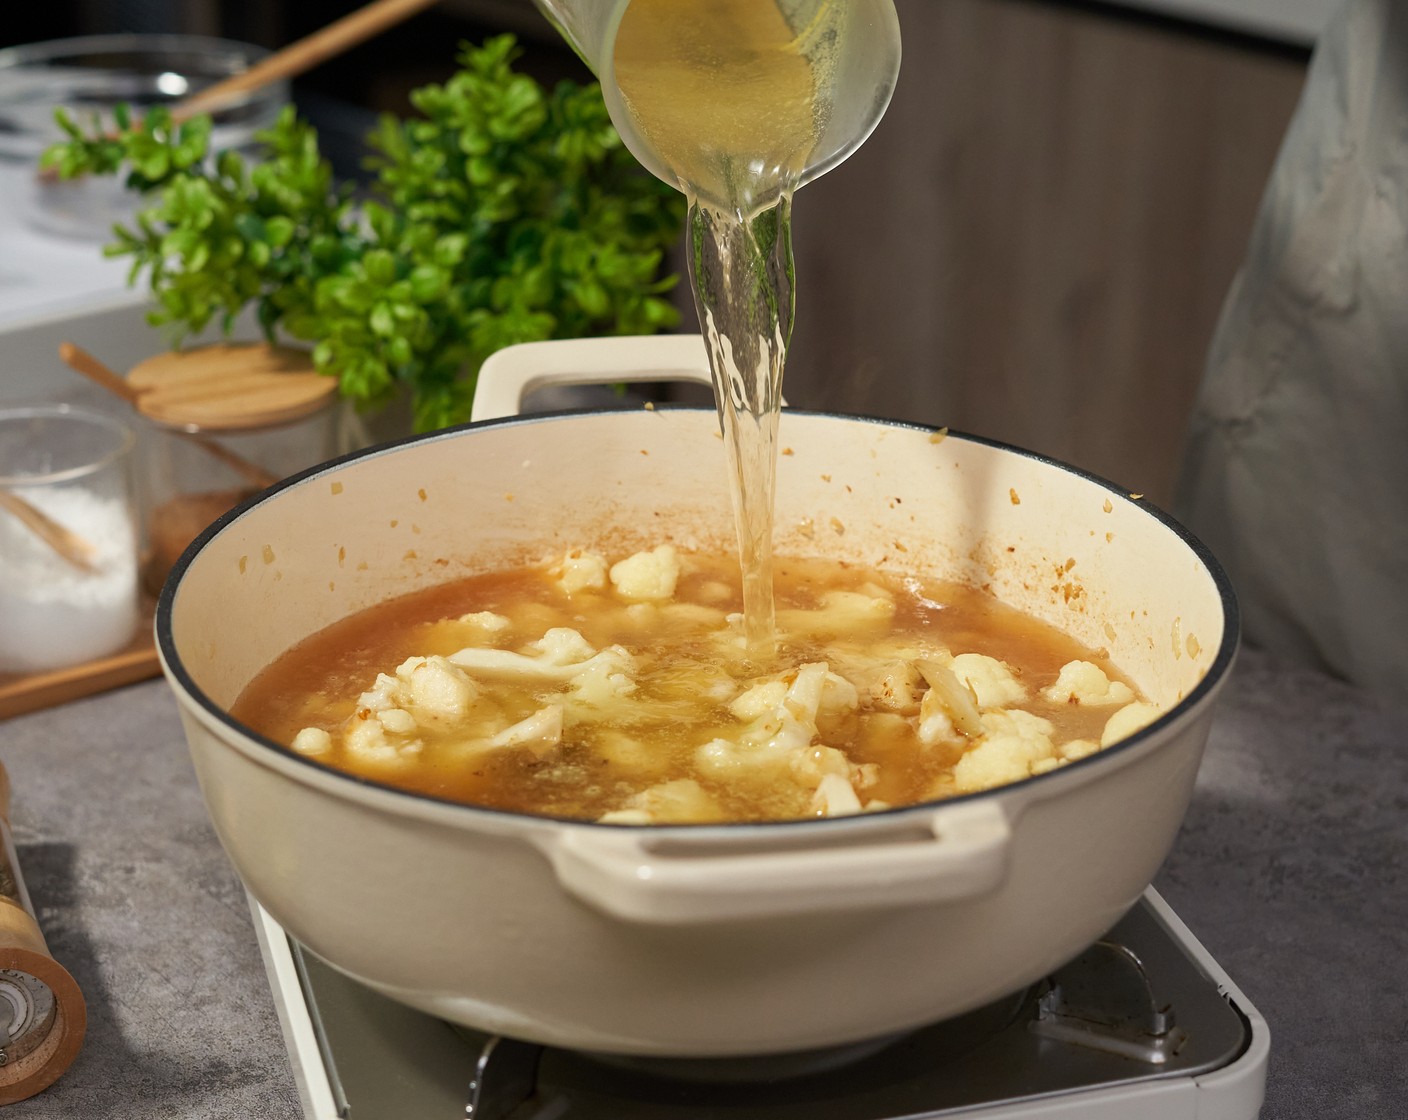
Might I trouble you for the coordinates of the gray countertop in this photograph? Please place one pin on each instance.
(1290, 869)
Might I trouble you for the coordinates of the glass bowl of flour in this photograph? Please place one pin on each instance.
(73, 467)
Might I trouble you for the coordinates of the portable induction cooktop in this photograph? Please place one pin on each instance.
(1143, 1024)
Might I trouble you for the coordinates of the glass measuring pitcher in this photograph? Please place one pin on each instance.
(851, 48)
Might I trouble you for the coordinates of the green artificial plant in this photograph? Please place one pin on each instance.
(503, 214)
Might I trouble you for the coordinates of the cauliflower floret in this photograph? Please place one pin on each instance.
(580, 570)
(840, 612)
(948, 708)
(992, 682)
(626, 816)
(1015, 742)
(397, 720)
(628, 755)
(554, 663)
(435, 686)
(873, 604)
(1127, 721)
(994, 763)
(312, 740)
(1024, 725)
(779, 734)
(720, 688)
(647, 575)
(562, 646)
(935, 725)
(1078, 748)
(366, 738)
(682, 800)
(896, 689)
(810, 766)
(540, 732)
(1081, 682)
(767, 742)
(839, 697)
(783, 717)
(385, 692)
(834, 797)
(486, 621)
(804, 694)
(605, 678)
(759, 700)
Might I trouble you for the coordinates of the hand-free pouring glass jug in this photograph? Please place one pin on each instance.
(859, 38)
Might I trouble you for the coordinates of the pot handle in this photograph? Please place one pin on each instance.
(959, 852)
(510, 374)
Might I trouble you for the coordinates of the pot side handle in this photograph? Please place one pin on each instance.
(510, 374)
(959, 852)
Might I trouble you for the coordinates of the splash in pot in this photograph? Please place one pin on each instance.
(738, 103)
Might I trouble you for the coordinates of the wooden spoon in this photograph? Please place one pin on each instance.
(68, 544)
(80, 361)
(294, 59)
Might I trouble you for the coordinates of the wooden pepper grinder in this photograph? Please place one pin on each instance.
(42, 1013)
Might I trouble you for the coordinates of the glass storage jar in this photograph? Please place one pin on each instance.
(223, 423)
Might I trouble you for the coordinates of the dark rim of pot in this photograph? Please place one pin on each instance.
(1211, 680)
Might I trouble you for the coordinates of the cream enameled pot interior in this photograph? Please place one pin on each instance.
(630, 939)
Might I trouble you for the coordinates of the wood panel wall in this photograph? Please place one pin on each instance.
(1035, 244)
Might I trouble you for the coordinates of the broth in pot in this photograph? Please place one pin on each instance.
(624, 690)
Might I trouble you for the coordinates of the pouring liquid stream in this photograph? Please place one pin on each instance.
(727, 92)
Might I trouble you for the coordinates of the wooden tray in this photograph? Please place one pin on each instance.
(20, 693)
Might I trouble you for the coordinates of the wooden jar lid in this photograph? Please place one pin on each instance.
(230, 387)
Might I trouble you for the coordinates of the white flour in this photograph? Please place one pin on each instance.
(52, 614)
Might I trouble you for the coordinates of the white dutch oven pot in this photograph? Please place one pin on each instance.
(704, 940)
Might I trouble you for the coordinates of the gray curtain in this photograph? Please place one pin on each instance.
(1296, 472)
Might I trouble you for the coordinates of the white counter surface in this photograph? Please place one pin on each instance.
(42, 275)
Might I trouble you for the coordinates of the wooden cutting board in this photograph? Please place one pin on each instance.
(20, 693)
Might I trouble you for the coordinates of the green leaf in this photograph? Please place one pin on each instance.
(279, 230)
(428, 282)
(380, 266)
(383, 322)
(505, 213)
